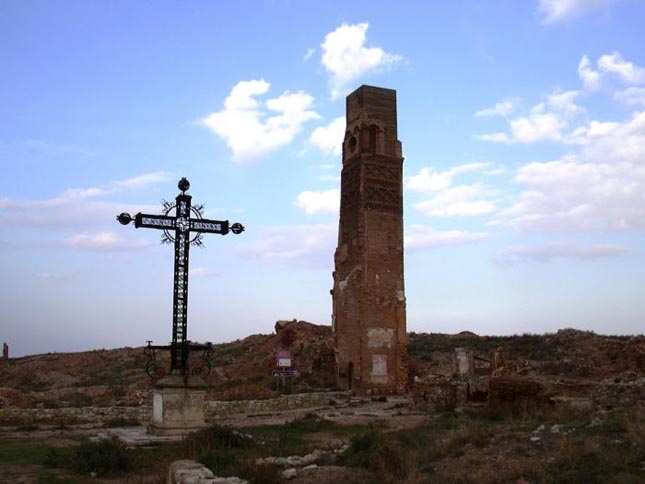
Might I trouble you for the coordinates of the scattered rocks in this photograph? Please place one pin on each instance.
(191, 472)
(557, 428)
(596, 422)
(289, 473)
(306, 460)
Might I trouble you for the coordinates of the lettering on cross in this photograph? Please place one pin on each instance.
(185, 228)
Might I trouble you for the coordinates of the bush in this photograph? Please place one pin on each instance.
(219, 460)
(60, 458)
(361, 448)
(105, 457)
(388, 458)
(216, 437)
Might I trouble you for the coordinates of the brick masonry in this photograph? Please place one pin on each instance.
(368, 294)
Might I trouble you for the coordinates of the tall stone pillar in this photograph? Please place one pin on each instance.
(368, 295)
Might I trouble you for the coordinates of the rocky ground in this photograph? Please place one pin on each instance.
(569, 407)
(242, 369)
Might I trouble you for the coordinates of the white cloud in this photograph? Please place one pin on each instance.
(626, 71)
(202, 272)
(75, 208)
(346, 57)
(562, 102)
(309, 54)
(601, 188)
(586, 133)
(589, 77)
(308, 246)
(502, 108)
(458, 201)
(614, 64)
(316, 202)
(447, 200)
(329, 139)
(562, 10)
(428, 180)
(632, 96)
(616, 142)
(537, 127)
(420, 237)
(104, 241)
(546, 121)
(563, 250)
(142, 181)
(246, 125)
(499, 137)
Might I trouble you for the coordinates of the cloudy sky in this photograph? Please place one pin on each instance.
(523, 131)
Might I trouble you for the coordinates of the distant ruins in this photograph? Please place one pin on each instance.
(368, 294)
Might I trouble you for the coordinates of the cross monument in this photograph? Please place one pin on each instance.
(184, 229)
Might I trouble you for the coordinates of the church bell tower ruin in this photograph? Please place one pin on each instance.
(368, 294)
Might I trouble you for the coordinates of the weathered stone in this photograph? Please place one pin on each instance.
(463, 362)
(498, 360)
(368, 293)
(289, 473)
(191, 472)
(177, 409)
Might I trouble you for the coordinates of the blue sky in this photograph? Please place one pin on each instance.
(523, 131)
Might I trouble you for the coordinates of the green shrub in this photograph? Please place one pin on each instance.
(105, 457)
(361, 448)
(388, 458)
(216, 437)
(219, 459)
(60, 458)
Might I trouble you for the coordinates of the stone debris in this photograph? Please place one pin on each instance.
(303, 461)
(557, 428)
(191, 472)
(290, 473)
(596, 422)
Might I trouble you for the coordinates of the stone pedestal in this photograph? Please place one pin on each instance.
(177, 409)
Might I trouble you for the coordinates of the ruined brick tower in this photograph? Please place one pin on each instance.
(368, 295)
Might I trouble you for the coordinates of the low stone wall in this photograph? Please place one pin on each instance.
(284, 402)
(74, 415)
(16, 417)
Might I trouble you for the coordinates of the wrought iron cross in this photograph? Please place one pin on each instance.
(183, 229)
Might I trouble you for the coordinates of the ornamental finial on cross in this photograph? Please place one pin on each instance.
(184, 229)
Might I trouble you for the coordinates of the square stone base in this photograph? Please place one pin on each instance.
(177, 409)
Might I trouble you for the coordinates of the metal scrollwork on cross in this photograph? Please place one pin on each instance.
(184, 229)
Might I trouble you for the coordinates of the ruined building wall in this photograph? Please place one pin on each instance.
(368, 294)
